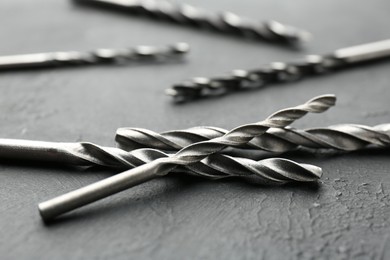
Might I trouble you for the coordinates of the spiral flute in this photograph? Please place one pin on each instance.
(72, 58)
(225, 22)
(345, 137)
(219, 166)
(279, 72)
(187, 156)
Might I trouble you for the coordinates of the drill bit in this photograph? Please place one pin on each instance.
(343, 137)
(106, 56)
(225, 22)
(219, 166)
(187, 156)
(279, 72)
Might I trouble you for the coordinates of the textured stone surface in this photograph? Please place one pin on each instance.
(345, 216)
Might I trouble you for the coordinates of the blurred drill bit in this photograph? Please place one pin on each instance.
(188, 156)
(279, 72)
(344, 137)
(99, 56)
(225, 22)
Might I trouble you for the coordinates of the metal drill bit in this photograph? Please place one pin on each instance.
(279, 72)
(225, 22)
(218, 166)
(72, 58)
(188, 155)
(343, 137)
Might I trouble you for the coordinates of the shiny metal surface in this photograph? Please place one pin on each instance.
(54, 207)
(189, 155)
(225, 22)
(278, 72)
(89, 154)
(345, 137)
(72, 58)
(365, 52)
(277, 170)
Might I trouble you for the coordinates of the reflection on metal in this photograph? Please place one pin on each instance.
(279, 171)
(88, 154)
(345, 137)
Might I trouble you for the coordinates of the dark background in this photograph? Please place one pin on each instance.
(345, 216)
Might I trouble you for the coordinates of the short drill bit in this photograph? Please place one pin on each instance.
(279, 72)
(187, 156)
(225, 22)
(219, 166)
(344, 137)
(105, 56)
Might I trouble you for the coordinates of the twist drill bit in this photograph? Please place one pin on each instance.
(344, 137)
(279, 72)
(218, 166)
(188, 155)
(225, 22)
(72, 58)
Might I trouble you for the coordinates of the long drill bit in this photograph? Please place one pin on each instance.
(279, 72)
(218, 166)
(344, 137)
(188, 155)
(225, 22)
(105, 56)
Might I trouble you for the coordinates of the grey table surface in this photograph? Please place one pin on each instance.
(345, 216)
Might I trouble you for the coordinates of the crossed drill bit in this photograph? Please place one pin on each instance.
(199, 152)
(195, 153)
(347, 137)
(88, 154)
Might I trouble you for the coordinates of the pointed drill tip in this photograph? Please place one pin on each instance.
(292, 34)
(181, 47)
(329, 99)
(122, 131)
(315, 170)
(384, 128)
(317, 104)
(323, 102)
(293, 171)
